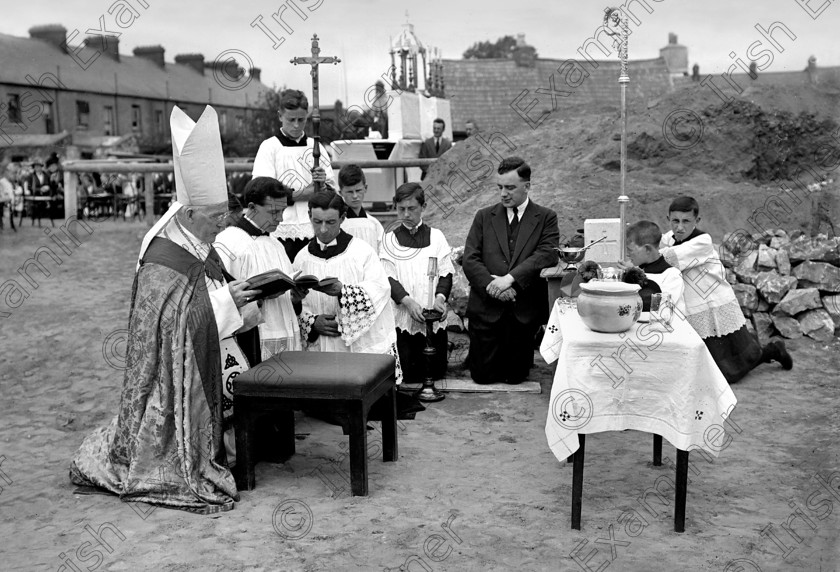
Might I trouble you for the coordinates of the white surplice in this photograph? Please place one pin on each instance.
(367, 228)
(409, 266)
(711, 306)
(291, 166)
(245, 256)
(363, 310)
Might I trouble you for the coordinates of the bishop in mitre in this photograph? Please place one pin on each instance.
(165, 446)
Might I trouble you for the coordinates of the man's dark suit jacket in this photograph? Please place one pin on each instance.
(486, 252)
(427, 149)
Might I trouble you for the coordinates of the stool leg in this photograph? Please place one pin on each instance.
(358, 451)
(244, 424)
(577, 482)
(390, 450)
(657, 450)
(681, 489)
(286, 420)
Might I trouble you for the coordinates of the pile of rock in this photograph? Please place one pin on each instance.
(787, 285)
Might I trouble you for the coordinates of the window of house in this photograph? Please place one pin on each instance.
(223, 121)
(47, 112)
(136, 118)
(240, 123)
(14, 108)
(108, 120)
(82, 114)
(158, 120)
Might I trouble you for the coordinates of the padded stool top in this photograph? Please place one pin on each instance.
(319, 375)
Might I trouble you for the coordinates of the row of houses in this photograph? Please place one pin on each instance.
(93, 96)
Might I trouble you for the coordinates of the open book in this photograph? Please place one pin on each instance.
(275, 282)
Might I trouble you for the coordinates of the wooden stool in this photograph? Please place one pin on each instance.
(343, 384)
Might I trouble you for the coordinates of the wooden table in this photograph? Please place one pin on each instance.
(664, 382)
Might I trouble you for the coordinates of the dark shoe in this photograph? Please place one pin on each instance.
(781, 354)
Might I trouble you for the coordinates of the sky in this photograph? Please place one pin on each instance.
(359, 31)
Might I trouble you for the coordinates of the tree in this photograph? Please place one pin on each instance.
(501, 48)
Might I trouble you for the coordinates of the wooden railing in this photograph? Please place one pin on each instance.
(71, 168)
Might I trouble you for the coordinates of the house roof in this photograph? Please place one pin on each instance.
(131, 76)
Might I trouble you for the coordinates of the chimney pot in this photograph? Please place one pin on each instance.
(195, 61)
(152, 53)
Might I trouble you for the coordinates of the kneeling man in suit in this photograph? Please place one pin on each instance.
(508, 244)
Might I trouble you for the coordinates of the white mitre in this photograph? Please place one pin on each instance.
(198, 158)
(199, 166)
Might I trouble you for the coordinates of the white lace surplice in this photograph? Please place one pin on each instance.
(291, 166)
(364, 314)
(711, 306)
(245, 256)
(409, 267)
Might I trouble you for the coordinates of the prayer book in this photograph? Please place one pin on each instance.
(276, 282)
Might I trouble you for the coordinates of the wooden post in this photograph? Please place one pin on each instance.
(149, 191)
(71, 204)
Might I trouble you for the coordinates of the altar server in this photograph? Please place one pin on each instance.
(287, 157)
(711, 306)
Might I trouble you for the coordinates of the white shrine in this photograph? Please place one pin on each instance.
(410, 113)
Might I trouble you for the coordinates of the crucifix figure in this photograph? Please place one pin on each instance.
(315, 60)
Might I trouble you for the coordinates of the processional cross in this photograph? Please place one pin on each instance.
(315, 60)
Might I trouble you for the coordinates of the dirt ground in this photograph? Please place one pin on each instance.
(475, 488)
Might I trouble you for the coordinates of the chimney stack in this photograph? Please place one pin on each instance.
(152, 53)
(255, 73)
(111, 45)
(195, 61)
(54, 34)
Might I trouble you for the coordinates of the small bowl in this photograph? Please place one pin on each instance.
(571, 254)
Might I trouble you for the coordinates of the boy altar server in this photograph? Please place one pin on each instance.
(643, 250)
(355, 314)
(405, 253)
(358, 222)
(287, 157)
(711, 306)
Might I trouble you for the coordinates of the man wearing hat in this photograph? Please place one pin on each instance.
(165, 446)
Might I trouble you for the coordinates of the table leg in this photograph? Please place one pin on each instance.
(657, 450)
(679, 501)
(577, 482)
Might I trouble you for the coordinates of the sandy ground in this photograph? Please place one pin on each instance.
(475, 488)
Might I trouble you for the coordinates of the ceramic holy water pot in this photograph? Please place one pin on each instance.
(609, 307)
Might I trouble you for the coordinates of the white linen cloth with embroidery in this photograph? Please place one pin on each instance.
(663, 382)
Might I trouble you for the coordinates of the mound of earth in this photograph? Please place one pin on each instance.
(730, 157)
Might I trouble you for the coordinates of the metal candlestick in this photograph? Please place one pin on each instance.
(429, 392)
(615, 24)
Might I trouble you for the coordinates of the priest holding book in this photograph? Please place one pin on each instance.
(354, 314)
(248, 249)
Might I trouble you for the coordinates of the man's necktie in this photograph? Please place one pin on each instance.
(513, 231)
(437, 145)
